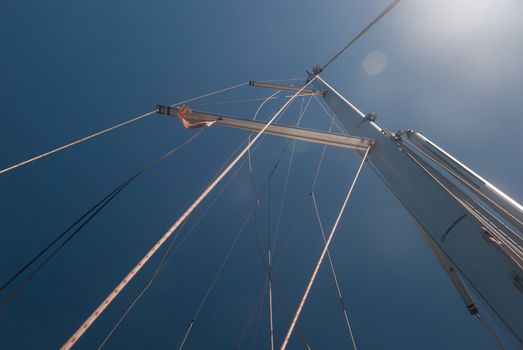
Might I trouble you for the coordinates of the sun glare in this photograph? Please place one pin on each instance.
(473, 38)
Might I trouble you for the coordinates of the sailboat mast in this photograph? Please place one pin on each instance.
(486, 253)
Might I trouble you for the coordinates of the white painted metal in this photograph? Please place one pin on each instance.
(465, 234)
(345, 141)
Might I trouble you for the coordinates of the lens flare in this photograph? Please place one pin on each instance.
(374, 63)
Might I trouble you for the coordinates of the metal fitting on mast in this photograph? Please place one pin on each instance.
(370, 117)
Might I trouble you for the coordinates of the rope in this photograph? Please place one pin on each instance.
(88, 216)
(74, 338)
(265, 264)
(285, 308)
(76, 142)
(264, 188)
(268, 282)
(167, 256)
(269, 251)
(363, 31)
(200, 218)
(331, 263)
(110, 129)
(344, 309)
(322, 256)
(253, 209)
(156, 272)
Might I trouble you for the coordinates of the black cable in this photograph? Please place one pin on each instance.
(266, 265)
(88, 216)
(363, 31)
(254, 209)
(254, 312)
(168, 255)
(30, 262)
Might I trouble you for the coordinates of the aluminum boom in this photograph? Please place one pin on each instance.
(325, 138)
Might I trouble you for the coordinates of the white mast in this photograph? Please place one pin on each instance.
(468, 236)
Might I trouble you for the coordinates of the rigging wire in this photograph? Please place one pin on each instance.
(210, 94)
(363, 31)
(82, 221)
(279, 298)
(260, 251)
(269, 265)
(213, 282)
(422, 164)
(45, 154)
(271, 325)
(155, 274)
(251, 316)
(334, 275)
(224, 187)
(253, 211)
(264, 102)
(324, 148)
(294, 226)
(331, 118)
(253, 181)
(97, 207)
(285, 308)
(286, 183)
(189, 327)
(168, 256)
(331, 263)
(256, 328)
(81, 330)
(322, 256)
(257, 203)
(76, 142)
(490, 331)
(215, 198)
(206, 210)
(280, 80)
(245, 100)
(269, 240)
(293, 229)
(413, 220)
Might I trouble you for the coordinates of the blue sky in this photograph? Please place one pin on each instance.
(451, 69)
